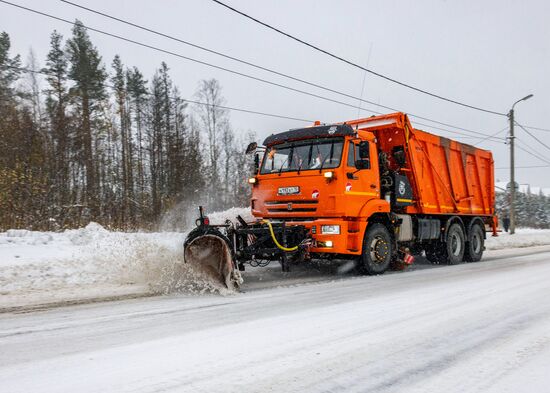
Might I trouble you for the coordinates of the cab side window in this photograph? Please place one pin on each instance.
(351, 158)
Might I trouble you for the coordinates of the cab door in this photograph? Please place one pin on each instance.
(363, 184)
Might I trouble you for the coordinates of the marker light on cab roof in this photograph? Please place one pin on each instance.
(376, 123)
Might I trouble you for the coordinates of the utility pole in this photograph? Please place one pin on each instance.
(512, 167)
(512, 175)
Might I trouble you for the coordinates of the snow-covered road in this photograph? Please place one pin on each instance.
(482, 327)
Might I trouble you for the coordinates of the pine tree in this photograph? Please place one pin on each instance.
(137, 93)
(156, 143)
(166, 137)
(177, 156)
(9, 69)
(121, 96)
(193, 166)
(10, 135)
(542, 211)
(88, 73)
(56, 111)
(23, 163)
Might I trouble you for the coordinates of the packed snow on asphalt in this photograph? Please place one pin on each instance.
(475, 327)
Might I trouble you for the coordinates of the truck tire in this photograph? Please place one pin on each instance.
(455, 245)
(377, 250)
(475, 244)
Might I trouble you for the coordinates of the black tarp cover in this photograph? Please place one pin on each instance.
(310, 132)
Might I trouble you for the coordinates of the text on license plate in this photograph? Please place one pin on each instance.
(288, 190)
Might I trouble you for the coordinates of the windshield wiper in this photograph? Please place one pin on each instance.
(282, 165)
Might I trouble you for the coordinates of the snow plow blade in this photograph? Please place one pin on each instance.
(210, 254)
(222, 250)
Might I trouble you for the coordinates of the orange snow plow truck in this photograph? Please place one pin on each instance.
(374, 190)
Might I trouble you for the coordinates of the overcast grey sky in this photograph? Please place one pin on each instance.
(485, 53)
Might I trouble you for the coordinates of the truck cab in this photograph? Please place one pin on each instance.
(324, 177)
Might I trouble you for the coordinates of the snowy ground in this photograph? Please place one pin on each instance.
(524, 237)
(476, 327)
(40, 269)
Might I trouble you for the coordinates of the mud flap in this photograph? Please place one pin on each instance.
(211, 255)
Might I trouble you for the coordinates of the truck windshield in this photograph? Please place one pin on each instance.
(303, 156)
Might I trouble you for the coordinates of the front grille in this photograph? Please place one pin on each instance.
(292, 206)
(294, 219)
(293, 210)
(294, 202)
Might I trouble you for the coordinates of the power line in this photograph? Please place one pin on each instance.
(240, 73)
(491, 136)
(355, 64)
(493, 139)
(532, 152)
(524, 167)
(248, 111)
(263, 68)
(538, 128)
(22, 69)
(533, 136)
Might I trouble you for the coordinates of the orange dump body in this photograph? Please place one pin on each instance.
(446, 178)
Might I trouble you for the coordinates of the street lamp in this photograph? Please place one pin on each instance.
(512, 171)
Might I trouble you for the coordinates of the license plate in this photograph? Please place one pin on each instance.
(288, 190)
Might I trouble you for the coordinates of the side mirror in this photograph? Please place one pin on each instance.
(364, 152)
(362, 164)
(364, 156)
(251, 147)
(256, 162)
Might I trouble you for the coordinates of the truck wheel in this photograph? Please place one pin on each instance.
(475, 244)
(455, 245)
(377, 250)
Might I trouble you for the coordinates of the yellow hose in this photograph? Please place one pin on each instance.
(275, 239)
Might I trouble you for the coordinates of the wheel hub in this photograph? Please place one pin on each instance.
(379, 250)
(476, 242)
(456, 244)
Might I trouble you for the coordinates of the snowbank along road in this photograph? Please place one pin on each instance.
(482, 327)
(41, 269)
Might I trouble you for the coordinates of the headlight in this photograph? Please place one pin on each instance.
(325, 244)
(252, 180)
(330, 229)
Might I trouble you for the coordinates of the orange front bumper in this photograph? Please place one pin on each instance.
(349, 241)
